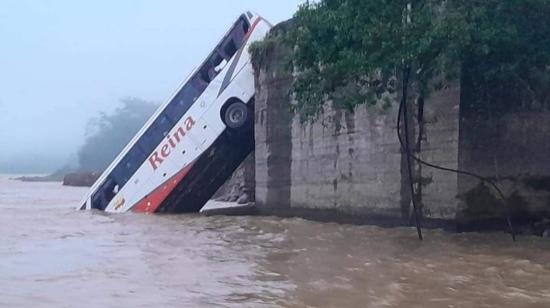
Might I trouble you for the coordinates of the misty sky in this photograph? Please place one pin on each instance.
(63, 61)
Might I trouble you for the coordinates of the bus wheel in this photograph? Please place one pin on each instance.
(236, 115)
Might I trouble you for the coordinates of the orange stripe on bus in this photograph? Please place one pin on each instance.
(152, 202)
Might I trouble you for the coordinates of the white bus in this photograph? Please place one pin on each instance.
(188, 148)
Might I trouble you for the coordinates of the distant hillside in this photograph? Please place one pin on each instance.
(106, 136)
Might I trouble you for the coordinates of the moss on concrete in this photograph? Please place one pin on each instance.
(261, 51)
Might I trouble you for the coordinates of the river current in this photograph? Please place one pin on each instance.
(54, 256)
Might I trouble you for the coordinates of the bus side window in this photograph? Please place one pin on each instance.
(150, 140)
(214, 66)
(104, 194)
(199, 84)
(230, 49)
(128, 166)
(204, 75)
(235, 39)
(246, 26)
(240, 31)
(220, 66)
(155, 133)
(163, 124)
(182, 102)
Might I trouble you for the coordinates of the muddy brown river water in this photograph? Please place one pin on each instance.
(54, 256)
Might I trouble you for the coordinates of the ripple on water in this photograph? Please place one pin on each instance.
(58, 257)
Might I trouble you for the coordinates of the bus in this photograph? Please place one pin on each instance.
(194, 141)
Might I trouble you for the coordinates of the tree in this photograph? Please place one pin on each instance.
(348, 51)
(505, 54)
(107, 134)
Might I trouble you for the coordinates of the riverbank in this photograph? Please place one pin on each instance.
(75, 179)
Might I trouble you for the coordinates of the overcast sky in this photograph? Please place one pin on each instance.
(63, 61)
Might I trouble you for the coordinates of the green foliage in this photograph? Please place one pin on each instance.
(350, 51)
(107, 134)
(261, 50)
(506, 54)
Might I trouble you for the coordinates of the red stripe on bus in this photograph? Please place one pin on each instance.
(151, 203)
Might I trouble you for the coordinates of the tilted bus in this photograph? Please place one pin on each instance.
(194, 141)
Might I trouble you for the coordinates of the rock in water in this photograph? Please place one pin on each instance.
(80, 179)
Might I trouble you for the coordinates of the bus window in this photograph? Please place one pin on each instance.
(240, 31)
(204, 74)
(163, 124)
(230, 49)
(128, 166)
(104, 194)
(235, 39)
(215, 64)
(211, 68)
(182, 102)
(245, 25)
(218, 68)
(150, 140)
(155, 133)
(199, 83)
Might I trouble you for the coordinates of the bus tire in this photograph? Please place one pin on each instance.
(236, 115)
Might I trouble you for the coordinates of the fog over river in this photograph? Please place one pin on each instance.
(54, 256)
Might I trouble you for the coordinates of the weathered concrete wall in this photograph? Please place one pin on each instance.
(347, 165)
(511, 149)
(440, 144)
(273, 135)
(347, 162)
